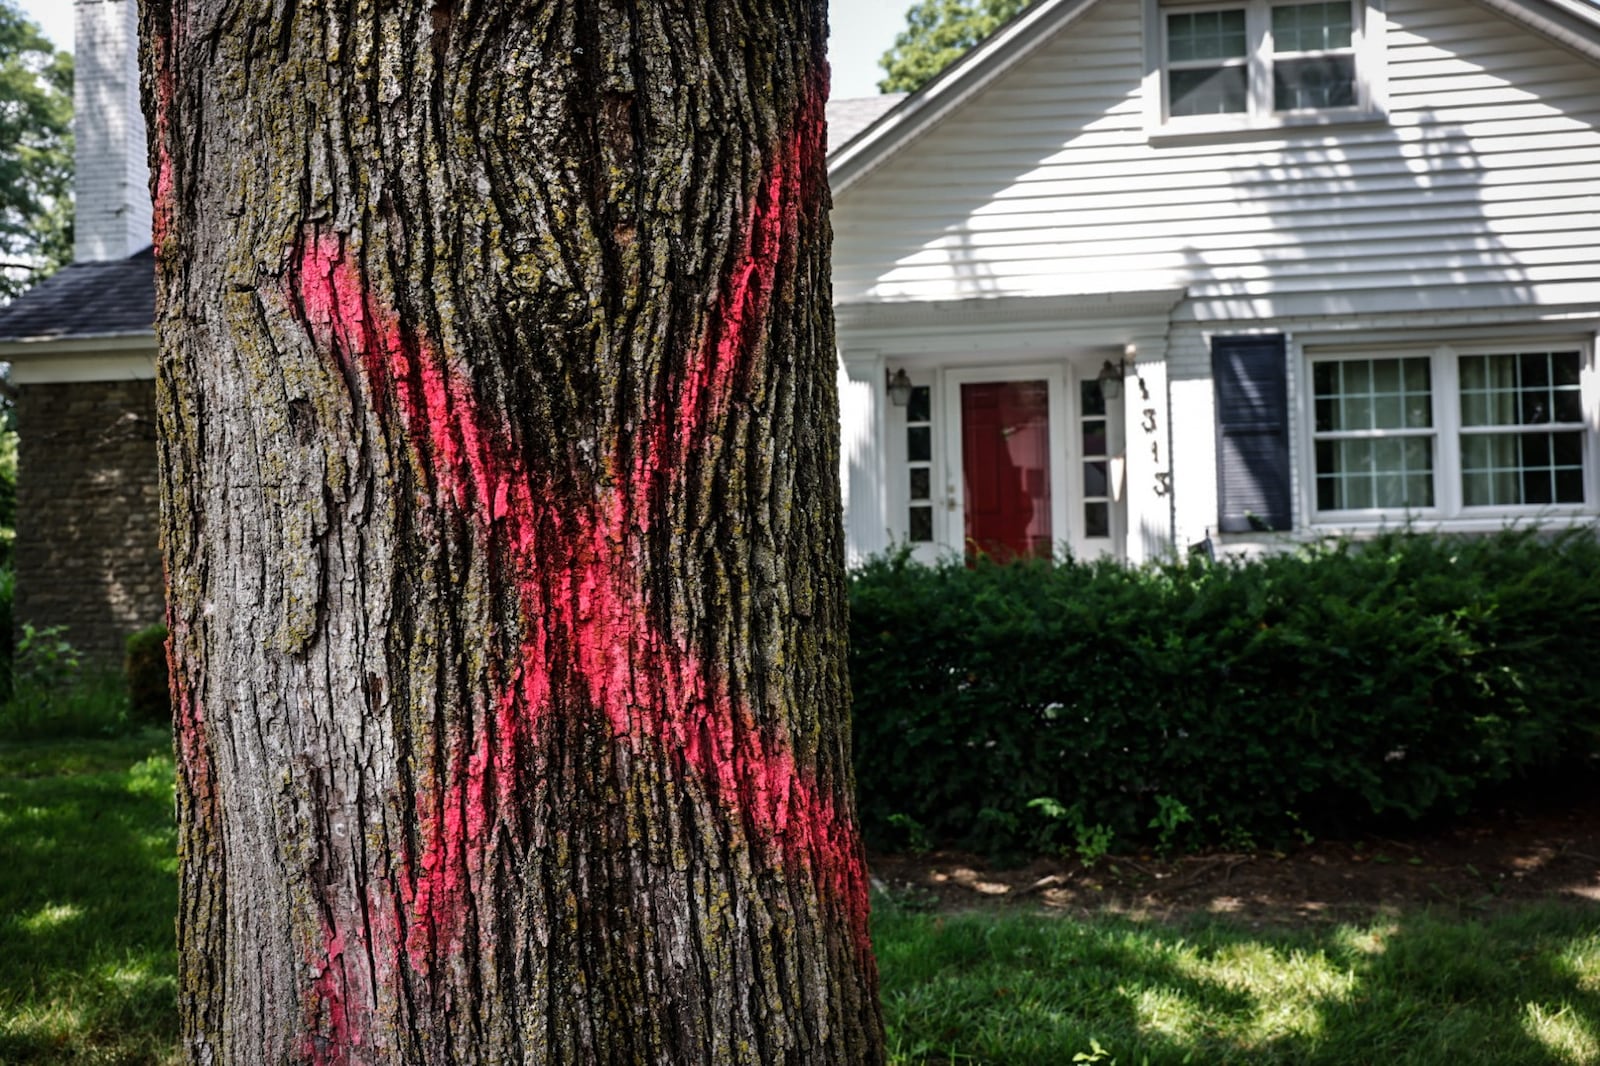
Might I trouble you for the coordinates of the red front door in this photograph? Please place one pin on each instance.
(1005, 467)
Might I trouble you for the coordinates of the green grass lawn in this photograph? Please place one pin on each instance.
(1523, 987)
(87, 898)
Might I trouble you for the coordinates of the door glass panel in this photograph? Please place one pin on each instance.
(921, 405)
(919, 461)
(1005, 450)
(1095, 437)
(921, 529)
(919, 444)
(1096, 479)
(1097, 519)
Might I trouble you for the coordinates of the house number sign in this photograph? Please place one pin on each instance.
(1150, 425)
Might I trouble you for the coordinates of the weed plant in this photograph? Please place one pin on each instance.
(53, 696)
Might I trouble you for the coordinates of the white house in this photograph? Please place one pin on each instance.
(1340, 260)
(1261, 270)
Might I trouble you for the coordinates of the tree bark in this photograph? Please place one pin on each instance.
(500, 510)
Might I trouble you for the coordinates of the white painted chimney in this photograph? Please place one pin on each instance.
(112, 183)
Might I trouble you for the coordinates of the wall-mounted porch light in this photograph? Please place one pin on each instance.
(1110, 378)
(899, 387)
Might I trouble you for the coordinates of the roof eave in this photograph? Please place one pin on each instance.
(1572, 23)
(26, 349)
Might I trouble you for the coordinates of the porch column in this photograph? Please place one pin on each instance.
(1148, 435)
(861, 455)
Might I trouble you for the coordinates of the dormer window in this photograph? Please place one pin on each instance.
(1262, 63)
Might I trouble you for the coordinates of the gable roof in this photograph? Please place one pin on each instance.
(849, 116)
(1572, 23)
(115, 298)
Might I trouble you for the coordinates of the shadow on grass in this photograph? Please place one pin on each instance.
(88, 893)
(1522, 988)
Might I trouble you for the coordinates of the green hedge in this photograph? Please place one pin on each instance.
(1032, 706)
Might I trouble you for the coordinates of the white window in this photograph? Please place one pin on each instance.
(919, 465)
(1455, 433)
(1258, 62)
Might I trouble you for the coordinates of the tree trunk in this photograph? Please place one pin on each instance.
(501, 522)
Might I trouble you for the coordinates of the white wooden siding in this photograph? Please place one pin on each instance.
(1482, 186)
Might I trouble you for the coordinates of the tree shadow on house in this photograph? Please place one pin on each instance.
(1394, 218)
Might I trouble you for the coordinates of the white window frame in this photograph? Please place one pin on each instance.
(1367, 42)
(1449, 510)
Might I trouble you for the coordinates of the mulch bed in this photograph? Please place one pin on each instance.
(1503, 856)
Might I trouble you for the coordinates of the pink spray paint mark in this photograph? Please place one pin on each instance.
(639, 677)
(162, 199)
(331, 1033)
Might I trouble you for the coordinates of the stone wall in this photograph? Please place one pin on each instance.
(88, 554)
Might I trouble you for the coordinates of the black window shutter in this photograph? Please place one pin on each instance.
(1250, 375)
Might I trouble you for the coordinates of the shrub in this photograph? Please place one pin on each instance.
(146, 668)
(8, 586)
(54, 697)
(1308, 692)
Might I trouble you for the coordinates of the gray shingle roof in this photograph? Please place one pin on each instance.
(86, 300)
(850, 116)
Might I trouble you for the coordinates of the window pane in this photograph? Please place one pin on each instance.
(1361, 394)
(1565, 368)
(1205, 35)
(919, 444)
(1387, 413)
(1535, 406)
(1304, 84)
(1356, 375)
(1093, 397)
(1219, 91)
(1356, 411)
(1569, 405)
(1094, 436)
(921, 404)
(1327, 494)
(1535, 368)
(1475, 409)
(1394, 472)
(1097, 519)
(1568, 450)
(1417, 375)
(1521, 468)
(1325, 379)
(1095, 479)
(1312, 27)
(1327, 415)
(920, 484)
(921, 527)
(1524, 389)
